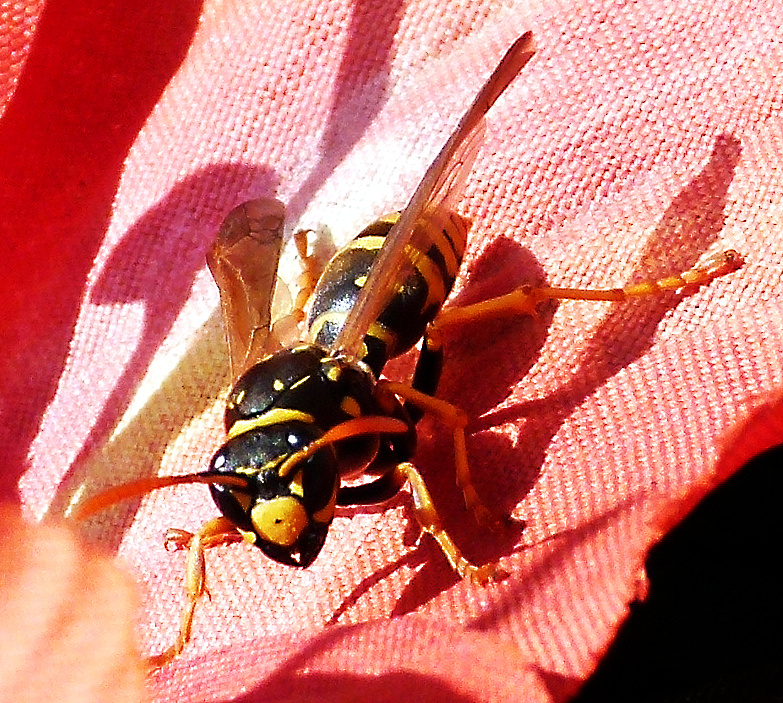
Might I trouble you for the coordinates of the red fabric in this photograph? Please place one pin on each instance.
(641, 138)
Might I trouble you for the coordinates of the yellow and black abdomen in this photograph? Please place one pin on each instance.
(434, 256)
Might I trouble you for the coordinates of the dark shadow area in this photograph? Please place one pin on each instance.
(503, 266)
(294, 680)
(95, 71)
(710, 627)
(556, 559)
(489, 357)
(402, 685)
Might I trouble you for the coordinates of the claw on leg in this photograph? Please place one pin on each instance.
(211, 534)
(430, 522)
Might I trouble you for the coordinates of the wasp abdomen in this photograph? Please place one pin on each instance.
(418, 295)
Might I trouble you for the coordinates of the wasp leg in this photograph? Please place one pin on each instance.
(428, 518)
(310, 268)
(385, 487)
(455, 418)
(287, 326)
(426, 375)
(215, 532)
(525, 299)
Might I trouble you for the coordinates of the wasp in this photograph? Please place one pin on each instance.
(303, 421)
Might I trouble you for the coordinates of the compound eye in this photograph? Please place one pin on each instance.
(279, 520)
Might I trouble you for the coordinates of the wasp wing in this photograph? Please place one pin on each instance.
(440, 183)
(243, 261)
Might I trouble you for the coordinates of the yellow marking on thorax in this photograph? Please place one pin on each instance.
(350, 406)
(333, 372)
(301, 381)
(370, 242)
(275, 416)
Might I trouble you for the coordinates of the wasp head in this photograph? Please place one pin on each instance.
(286, 512)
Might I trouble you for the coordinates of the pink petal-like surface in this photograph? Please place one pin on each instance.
(641, 139)
(66, 619)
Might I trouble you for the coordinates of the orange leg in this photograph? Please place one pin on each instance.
(212, 533)
(427, 516)
(525, 299)
(455, 418)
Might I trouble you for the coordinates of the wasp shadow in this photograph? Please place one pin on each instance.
(81, 98)
(490, 357)
(502, 267)
(164, 268)
(340, 686)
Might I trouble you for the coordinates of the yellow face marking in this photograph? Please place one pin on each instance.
(243, 499)
(248, 535)
(324, 515)
(350, 407)
(278, 385)
(271, 417)
(296, 485)
(359, 281)
(279, 520)
(269, 466)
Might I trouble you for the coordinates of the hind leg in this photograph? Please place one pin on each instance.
(525, 299)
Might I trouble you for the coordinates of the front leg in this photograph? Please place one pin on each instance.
(212, 533)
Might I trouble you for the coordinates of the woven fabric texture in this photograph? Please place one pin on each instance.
(641, 139)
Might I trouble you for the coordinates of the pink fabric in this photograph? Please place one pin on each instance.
(65, 619)
(641, 138)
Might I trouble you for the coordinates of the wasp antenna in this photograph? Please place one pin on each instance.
(134, 489)
(370, 424)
